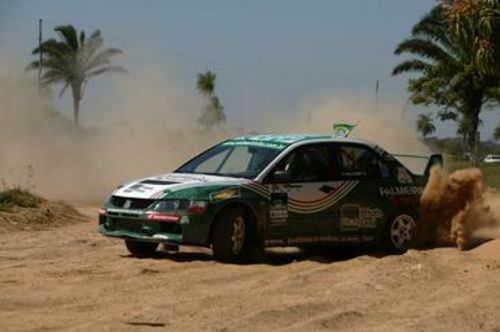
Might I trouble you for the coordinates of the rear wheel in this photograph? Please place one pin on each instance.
(399, 232)
(141, 249)
(230, 236)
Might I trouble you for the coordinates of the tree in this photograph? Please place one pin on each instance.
(425, 125)
(213, 111)
(73, 60)
(482, 17)
(449, 72)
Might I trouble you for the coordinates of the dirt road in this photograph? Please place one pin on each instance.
(72, 279)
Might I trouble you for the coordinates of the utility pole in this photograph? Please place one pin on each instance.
(40, 52)
(376, 95)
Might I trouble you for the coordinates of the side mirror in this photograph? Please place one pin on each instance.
(280, 177)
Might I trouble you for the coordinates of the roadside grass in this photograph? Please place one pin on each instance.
(491, 172)
(17, 197)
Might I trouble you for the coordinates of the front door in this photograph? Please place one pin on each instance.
(304, 188)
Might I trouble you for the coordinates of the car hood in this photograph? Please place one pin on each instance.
(156, 186)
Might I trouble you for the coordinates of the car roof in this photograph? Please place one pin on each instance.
(284, 140)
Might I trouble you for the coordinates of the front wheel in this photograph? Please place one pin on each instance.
(399, 233)
(230, 236)
(141, 249)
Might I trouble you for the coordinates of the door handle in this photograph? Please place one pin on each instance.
(326, 189)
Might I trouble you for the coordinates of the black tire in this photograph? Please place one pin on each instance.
(230, 236)
(399, 232)
(141, 249)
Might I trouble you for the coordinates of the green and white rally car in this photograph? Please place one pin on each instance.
(270, 190)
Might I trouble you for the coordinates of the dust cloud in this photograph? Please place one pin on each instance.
(385, 124)
(149, 129)
(457, 209)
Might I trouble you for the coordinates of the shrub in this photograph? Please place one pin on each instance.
(17, 197)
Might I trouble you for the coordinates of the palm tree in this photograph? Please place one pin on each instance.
(448, 72)
(425, 125)
(482, 16)
(73, 60)
(206, 83)
(213, 112)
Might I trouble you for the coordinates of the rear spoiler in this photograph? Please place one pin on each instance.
(433, 160)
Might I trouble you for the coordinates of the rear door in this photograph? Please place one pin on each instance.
(363, 211)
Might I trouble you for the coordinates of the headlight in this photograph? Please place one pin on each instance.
(180, 205)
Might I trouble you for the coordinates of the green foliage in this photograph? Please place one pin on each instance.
(213, 112)
(449, 68)
(425, 125)
(73, 60)
(479, 22)
(206, 83)
(18, 197)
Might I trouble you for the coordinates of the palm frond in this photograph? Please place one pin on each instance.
(413, 65)
(433, 21)
(206, 82)
(69, 35)
(424, 48)
(82, 38)
(32, 65)
(93, 43)
(63, 90)
(108, 69)
(102, 58)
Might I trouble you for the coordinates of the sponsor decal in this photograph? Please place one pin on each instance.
(271, 145)
(278, 209)
(401, 191)
(330, 238)
(341, 189)
(404, 200)
(257, 188)
(111, 211)
(225, 194)
(354, 217)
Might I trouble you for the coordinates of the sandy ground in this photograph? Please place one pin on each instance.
(70, 278)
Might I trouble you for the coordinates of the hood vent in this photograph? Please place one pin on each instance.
(158, 182)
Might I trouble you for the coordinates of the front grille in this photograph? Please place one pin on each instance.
(127, 225)
(135, 203)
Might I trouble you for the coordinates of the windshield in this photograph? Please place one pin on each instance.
(231, 159)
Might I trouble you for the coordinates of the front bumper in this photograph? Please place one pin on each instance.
(169, 238)
(126, 225)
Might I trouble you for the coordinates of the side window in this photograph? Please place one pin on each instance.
(356, 160)
(311, 163)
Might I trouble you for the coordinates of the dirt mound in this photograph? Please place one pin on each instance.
(46, 214)
(457, 209)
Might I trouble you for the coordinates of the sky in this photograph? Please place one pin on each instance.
(271, 54)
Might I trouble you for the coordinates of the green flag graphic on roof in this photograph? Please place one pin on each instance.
(343, 129)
